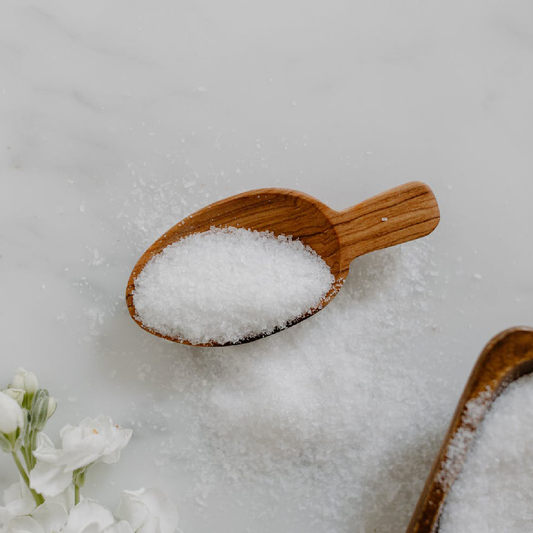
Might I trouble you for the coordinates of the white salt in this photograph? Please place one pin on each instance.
(494, 490)
(226, 285)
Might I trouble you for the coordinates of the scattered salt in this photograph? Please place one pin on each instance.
(330, 426)
(225, 285)
(493, 491)
(330, 419)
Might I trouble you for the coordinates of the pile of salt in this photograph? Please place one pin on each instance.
(226, 285)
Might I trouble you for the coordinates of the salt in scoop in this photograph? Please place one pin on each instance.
(401, 214)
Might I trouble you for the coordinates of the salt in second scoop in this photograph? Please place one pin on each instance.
(494, 491)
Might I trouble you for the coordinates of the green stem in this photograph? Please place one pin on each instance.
(25, 455)
(37, 497)
(21, 469)
(30, 443)
(33, 445)
(76, 494)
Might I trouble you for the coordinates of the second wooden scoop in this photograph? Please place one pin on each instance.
(395, 216)
(507, 357)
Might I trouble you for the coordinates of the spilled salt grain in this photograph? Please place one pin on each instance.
(494, 490)
(225, 285)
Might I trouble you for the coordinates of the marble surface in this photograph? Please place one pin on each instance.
(120, 118)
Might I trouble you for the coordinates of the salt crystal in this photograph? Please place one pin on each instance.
(493, 491)
(225, 285)
(384, 219)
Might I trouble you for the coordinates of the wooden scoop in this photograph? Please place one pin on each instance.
(398, 215)
(506, 357)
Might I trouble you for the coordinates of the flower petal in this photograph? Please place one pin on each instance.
(66, 498)
(132, 509)
(51, 516)
(119, 527)
(79, 454)
(23, 524)
(18, 501)
(163, 508)
(143, 506)
(153, 525)
(45, 449)
(88, 516)
(49, 480)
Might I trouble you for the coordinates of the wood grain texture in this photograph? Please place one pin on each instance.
(338, 237)
(395, 216)
(506, 357)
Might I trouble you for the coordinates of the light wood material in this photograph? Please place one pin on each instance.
(506, 357)
(398, 215)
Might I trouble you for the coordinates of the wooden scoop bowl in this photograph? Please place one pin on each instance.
(398, 215)
(506, 357)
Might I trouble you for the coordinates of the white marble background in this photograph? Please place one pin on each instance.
(119, 118)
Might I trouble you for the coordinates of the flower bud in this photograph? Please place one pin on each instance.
(39, 410)
(52, 406)
(25, 380)
(12, 423)
(11, 415)
(16, 394)
(78, 476)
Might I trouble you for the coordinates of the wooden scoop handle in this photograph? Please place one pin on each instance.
(398, 215)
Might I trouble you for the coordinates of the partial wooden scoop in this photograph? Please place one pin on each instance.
(507, 357)
(398, 215)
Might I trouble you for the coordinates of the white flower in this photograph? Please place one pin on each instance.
(17, 501)
(88, 517)
(16, 394)
(11, 416)
(25, 380)
(148, 511)
(50, 517)
(94, 440)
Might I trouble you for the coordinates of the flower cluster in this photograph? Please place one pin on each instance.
(47, 498)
